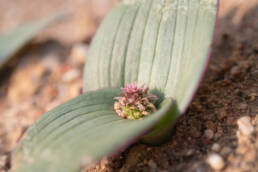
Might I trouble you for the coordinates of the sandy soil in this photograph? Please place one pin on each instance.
(219, 131)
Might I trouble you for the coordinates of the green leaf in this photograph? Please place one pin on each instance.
(161, 43)
(14, 40)
(80, 132)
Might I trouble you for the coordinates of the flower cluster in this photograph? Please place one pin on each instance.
(135, 102)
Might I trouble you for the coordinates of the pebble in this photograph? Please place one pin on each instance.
(209, 134)
(149, 149)
(216, 147)
(243, 106)
(225, 151)
(253, 96)
(152, 164)
(71, 75)
(79, 53)
(51, 61)
(189, 152)
(235, 70)
(244, 125)
(216, 161)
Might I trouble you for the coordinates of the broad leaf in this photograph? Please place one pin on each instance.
(14, 40)
(161, 43)
(80, 132)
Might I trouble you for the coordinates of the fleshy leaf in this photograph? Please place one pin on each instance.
(80, 132)
(161, 43)
(14, 40)
(164, 44)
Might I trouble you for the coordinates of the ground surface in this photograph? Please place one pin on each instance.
(218, 132)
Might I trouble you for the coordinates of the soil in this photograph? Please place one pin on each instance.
(219, 131)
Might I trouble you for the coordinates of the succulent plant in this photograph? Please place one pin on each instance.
(164, 44)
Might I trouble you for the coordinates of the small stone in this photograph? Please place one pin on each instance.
(235, 70)
(216, 147)
(225, 151)
(152, 164)
(189, 152)
(71, 75)
(209, 134)
(253, 96)
(245, 126)
(243, 106)
(79, 53)
(216, 161)
(51, 61)
(149, 149)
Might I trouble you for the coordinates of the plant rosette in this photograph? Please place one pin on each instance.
(162, 44)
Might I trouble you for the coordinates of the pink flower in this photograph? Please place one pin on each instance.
(135, 102)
